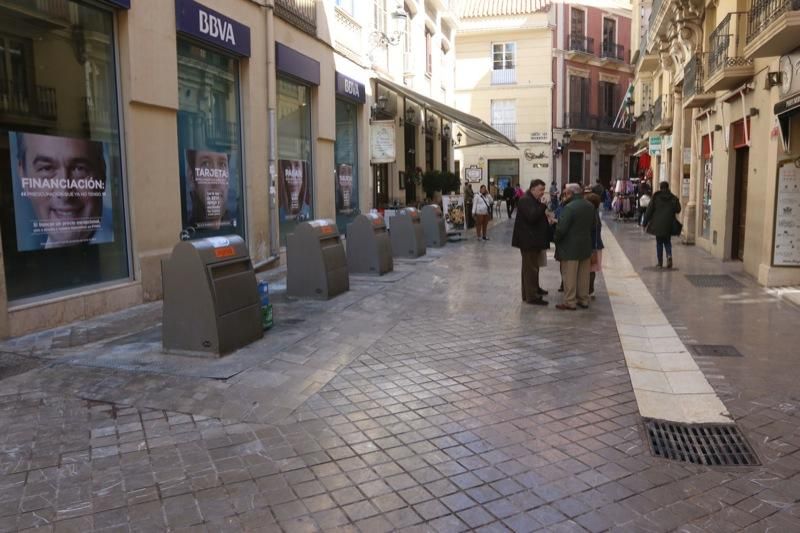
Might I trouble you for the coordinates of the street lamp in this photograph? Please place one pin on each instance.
(565, 139)
(383, 39)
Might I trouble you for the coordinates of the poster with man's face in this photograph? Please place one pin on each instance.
(294, 190)
(345, 195)
(61, 195)
(208, 182)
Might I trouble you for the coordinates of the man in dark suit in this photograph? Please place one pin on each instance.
(574, 244)
(531, 237)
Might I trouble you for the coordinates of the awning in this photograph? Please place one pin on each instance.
(476, 131)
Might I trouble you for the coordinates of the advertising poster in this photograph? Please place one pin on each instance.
(60, 191)
(345, 195)
(210, 205)
(382, 141)
(787, 217)
(294, 190)
(454, 212)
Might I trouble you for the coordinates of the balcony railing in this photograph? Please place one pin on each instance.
(580, 43)
(509, 129)
(504, 77)
(611, 50)
(724, 49)
(644, 124)
(764, 12)
(96, 112)
(584, 121)
(693, 77)
(54, 8)
(656, 6)
(658, 109)
(643, 43)
(221, 132)
(300, 13)
(16, 99)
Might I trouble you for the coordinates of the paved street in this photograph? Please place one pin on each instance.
(430, 401)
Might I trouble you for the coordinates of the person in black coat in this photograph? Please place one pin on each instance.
(659, 219)
(508, 196)
(531, 236)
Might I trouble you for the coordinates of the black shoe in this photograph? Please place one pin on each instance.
(486, 238)
(583, 306)
(540, 301)
(541, 292)
(669, 262)
(660, 265)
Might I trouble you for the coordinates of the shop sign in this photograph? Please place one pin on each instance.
(212, 27)
(290, 61)
(473, 174)
(540, 136)
(655, 145)
(382, 141)
(349, 88)
(687, 156)
(786, 250)
(122, 4)
(667, 142)
(55, 209)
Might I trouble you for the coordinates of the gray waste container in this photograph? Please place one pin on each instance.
(433, 225)
(211, 303)
(407, 236)
(369, 250)
(316, 264)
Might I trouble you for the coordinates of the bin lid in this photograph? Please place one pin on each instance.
(215, 249)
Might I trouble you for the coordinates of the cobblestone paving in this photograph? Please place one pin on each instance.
(469, 413)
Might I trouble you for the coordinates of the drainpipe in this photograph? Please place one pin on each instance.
(272, 126)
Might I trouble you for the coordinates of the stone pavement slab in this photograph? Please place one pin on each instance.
(467, 410)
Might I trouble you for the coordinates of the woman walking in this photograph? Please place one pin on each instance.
(481, 209)
(597, 242)
(660, 221)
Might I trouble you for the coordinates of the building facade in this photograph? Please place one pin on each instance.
(592, 74)
(130, 124)
(503, 76)
(716, 97)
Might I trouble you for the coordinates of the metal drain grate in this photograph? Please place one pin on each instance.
(713, 280)
(701, 444)
(715, 350)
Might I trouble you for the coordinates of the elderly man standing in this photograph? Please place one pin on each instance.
(574, 243)
(530, 236)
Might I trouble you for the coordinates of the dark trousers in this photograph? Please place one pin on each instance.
(663, 243)
(530, 275)
(510, 207)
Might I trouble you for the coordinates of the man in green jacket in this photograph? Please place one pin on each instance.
(574, 247)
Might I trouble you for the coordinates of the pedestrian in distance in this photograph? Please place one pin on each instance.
(510, 197)
(596, 264)
(574, 244)
(469, 196)
(660, 221)
(481, 210)
(531, 229)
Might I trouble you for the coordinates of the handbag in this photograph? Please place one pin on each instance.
(677, 227)
(593, 260)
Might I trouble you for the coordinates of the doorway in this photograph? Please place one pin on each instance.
(740, 203)
(576, 167)
(380, 176)
(606, 169)
(410, 133)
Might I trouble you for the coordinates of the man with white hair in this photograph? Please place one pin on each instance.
(574, 244)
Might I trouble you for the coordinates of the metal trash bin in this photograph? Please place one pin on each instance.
(407, 236)
(316, 263)
(369, 250)
(433, 225)
(211, 302)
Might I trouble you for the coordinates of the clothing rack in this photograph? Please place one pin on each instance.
(626, 200)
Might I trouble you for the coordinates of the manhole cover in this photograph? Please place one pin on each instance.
(713, 280)
(701, 444)
(715, 350)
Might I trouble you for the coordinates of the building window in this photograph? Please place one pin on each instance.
(428, 52)
(346, 5)
(577, 22)
(295, 179)
(504, 63)
(504, 117)
(578, 99)
(609, 33)
(379, 14)
(346, 161)
(209, 141)
(63, 218)
(608, 104)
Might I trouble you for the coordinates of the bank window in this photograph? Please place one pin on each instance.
(63, 217)
(295, 180)
(209, 142)
(346, 161)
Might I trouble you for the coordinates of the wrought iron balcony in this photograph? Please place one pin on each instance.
(17, 99)
(504, 76)
(509, 129)
(300, 13)
(772, 27)
(579, 120)
(694, 94)
(580, 43)
(727, 65)
(658, 109)
(644, 124)
(656, 6)
(662, 112)
(612, 50)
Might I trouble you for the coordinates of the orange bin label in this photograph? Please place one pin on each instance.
(225, 251)
(326, 230)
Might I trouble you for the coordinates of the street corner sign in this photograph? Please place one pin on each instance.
(655, 145)
(350, 89)
(212, 27)
(473, 174)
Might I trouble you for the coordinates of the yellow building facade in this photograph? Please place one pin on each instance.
(715, 104)
(504, 76)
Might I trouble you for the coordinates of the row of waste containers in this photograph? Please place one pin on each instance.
(212, 304)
